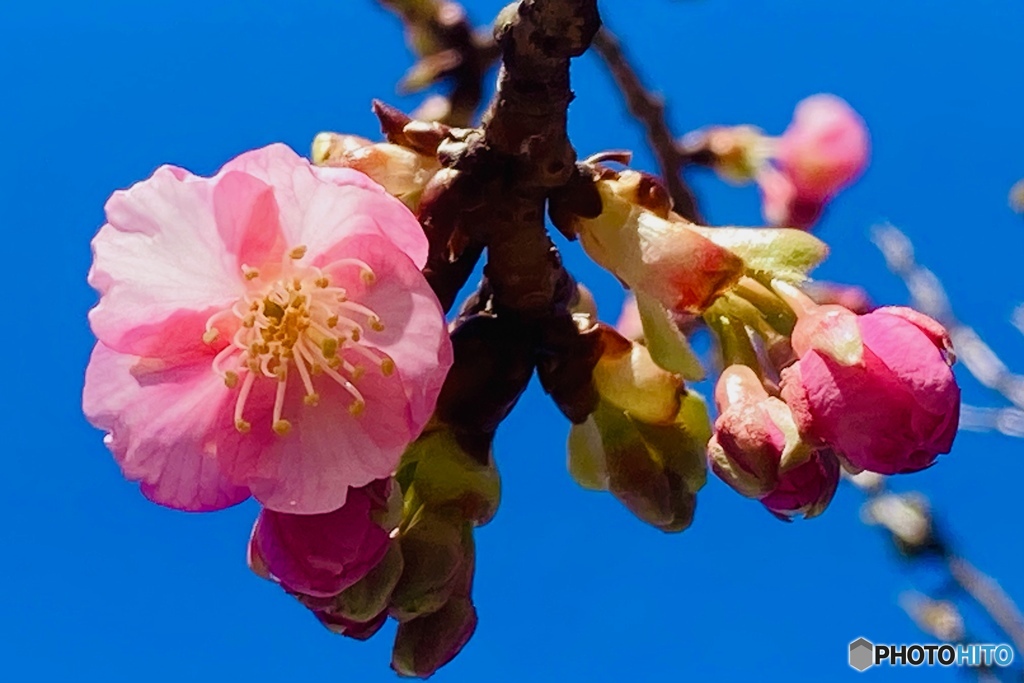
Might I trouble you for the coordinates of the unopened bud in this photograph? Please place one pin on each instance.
(369, 597)
(654, 470)
(668, 260)
(736, 152)
(328, 147)
(434, 548)
(403, 172)
(425, 644)
(446, 475)
(627, 377)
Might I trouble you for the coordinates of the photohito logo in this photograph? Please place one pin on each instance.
(864, 654)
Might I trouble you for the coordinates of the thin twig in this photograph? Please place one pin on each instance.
(987, 593)
(912, 529)
(649, 109)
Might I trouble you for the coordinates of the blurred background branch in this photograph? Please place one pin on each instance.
(450, 50)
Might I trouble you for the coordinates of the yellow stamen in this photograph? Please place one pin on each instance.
(282, 427)
(297, 253)
(211, 335)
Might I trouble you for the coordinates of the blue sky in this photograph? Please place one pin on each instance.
(98, 584)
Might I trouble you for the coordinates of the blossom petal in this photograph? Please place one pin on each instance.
(159, 257)
(165, 427)
(322, 206)
(328, 450)
(415, 334)
(247, 218)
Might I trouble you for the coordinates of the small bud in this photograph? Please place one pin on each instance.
(654, 470)
(445, 474)
(667, 260)
(736, 152)
(425, 644)
(403, 172)
(627, 377)
(434, 548)
(756, 440)
(328, 147)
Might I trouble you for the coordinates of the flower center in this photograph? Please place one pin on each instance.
(299, 324)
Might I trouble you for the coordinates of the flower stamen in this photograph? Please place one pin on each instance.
(299, 319)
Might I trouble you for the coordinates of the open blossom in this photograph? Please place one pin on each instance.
(757, 449)
(877, 387)
(265, 331)
(322, 555)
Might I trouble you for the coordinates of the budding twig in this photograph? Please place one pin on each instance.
(649, 109)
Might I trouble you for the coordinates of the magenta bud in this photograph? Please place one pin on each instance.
(894, 412)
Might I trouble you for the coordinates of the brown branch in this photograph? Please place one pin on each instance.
(649, 110)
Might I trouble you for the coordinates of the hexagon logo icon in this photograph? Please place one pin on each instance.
(862, 654)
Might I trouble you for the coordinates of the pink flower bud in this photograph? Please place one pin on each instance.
(824, 148)
(756, 441)
(322, 555)
(893, 411)
(780, 203)
(806, 489)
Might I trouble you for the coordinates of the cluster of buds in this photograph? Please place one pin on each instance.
(644, 442)
(400, 548)
(824, 149)
(806, 389)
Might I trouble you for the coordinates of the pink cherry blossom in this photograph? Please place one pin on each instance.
(889, 403)
(265, 331)
(322, 555)
(824, 148)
